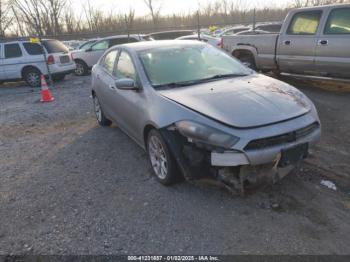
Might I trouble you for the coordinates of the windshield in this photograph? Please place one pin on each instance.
(55, 46)
(87, 45)
(193, 63)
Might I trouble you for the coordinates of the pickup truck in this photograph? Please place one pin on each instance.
(312, 41)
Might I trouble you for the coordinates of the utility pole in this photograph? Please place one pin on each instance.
(44, 53)
(198, 26)
(254, 19)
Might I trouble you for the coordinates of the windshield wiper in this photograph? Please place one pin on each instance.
(224, 76)
(176, 84)
(199, 81)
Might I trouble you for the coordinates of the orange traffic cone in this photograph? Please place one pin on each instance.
(45, 92)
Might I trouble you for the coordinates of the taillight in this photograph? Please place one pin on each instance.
(50, 60)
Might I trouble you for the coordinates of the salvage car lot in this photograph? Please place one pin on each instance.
(69, 186)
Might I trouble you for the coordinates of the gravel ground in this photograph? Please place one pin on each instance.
(68, 186)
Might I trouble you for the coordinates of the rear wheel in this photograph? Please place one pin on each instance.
(163, 163)
(81, 68)
(248, 60)
(32, 77)
(100, 116)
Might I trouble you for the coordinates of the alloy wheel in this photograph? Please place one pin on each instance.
(97, 108)
(79, 70)
(33, 79)
(158, 157)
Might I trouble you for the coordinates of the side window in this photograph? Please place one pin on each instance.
(102, 45)
(338, 22)
(33, 49)
(305, 23)
(12, 51)
(125, 67)
(109, 60)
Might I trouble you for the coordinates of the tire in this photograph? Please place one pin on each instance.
(57, 78)
(163, 163)
(248, 60)
(32, 77)
(81, 68)
(100, 116)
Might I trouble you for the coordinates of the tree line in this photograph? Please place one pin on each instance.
(57, 17)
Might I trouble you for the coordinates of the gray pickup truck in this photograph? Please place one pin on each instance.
(312, 41)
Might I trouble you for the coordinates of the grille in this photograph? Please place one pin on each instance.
(282, 139)
(64, 59)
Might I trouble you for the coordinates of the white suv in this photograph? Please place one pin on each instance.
(24, 60)
(86, 59)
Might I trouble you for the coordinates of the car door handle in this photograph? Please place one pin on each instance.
(323, 42)
(113, 87)
(287, 42)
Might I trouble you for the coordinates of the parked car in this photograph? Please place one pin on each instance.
(72, 45)
(273, 27)
(253, 32)
(196, 109)
(86, 58)
(23, 60)
(214, 41)
(168, 35)
(234, 30)
(313, 41)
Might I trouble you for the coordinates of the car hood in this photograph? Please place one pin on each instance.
(243, 102)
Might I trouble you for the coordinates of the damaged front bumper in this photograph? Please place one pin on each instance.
(235, 169)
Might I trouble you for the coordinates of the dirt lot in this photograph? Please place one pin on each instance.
(69, 186)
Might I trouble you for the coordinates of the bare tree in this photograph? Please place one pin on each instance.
(94, 16)
(154, 7)
(129, 20)
(5, 17)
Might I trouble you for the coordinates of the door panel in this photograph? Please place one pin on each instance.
(332, 51)
(12, 59)
(297, 46)
(94, 53)
(105, 83)
(129, 105)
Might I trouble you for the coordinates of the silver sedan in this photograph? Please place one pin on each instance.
(200, 113)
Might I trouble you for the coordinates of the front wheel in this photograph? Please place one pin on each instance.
(248, 61)
(100, 116)
(163, 163)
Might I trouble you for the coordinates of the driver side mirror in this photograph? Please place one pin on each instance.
(126, 84)
(88, 50)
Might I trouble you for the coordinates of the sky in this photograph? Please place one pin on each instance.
(167, 6)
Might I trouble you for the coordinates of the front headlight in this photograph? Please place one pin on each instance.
(199, 133)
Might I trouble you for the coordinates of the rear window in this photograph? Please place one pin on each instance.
(305, 23)
(169, 35)
(12, 51)
(55, 46)
(33, 49)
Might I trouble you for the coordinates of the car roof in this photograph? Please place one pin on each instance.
(171, 31)
(121, 36)
(22, 39)
(148, 45)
